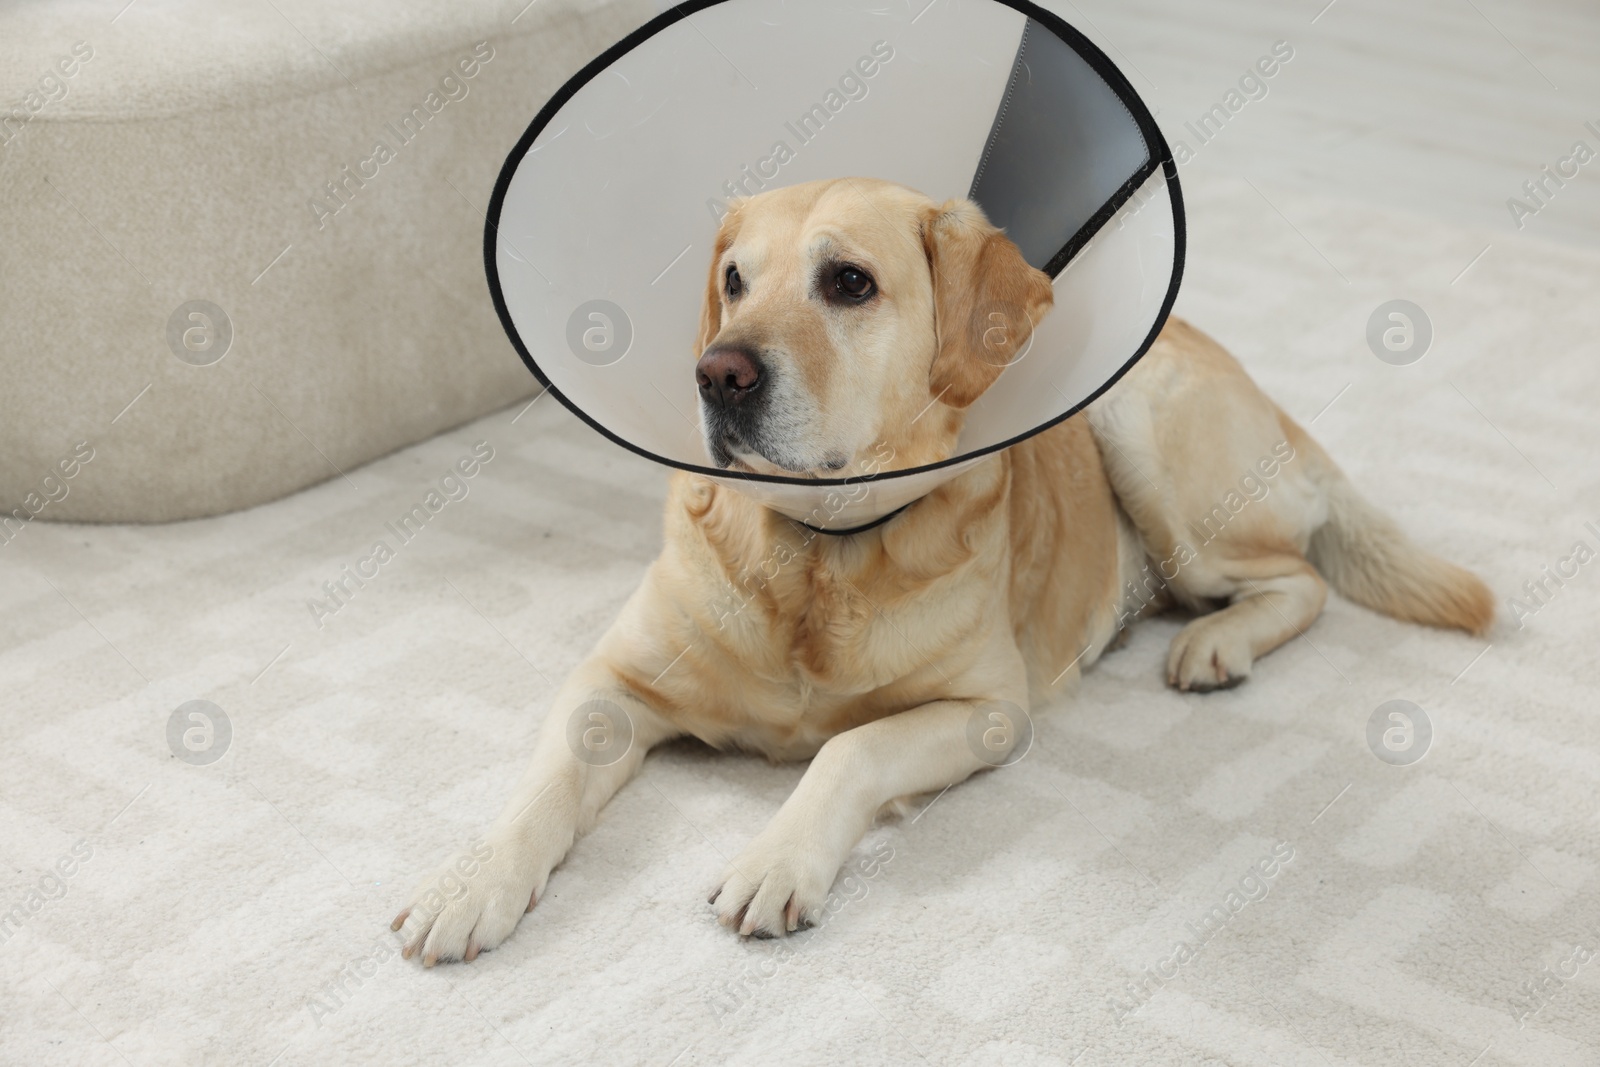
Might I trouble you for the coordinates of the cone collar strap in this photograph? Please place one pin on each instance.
(605, 213)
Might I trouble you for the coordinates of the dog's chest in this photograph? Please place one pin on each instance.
(774, 637)
(837, 637)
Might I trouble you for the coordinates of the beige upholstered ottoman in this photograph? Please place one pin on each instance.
(241, 245)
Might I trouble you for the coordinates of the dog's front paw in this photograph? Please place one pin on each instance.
(1211, 652)
(774, 887)
(469, 904)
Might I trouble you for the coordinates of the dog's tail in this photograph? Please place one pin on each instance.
(1367, 557)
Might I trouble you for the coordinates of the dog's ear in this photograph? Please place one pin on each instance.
(711, 309)
(986, 300)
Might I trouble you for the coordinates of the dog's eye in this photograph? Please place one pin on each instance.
(854, 283)
(732, 282)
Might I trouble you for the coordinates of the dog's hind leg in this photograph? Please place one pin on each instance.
(1274, 598)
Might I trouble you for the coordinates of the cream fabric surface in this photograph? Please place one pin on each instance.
(237, 912)
(179, 160)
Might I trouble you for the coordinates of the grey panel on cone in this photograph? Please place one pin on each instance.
(605, 214)
(1063, 144)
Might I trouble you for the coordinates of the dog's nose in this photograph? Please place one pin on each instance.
(727, 375)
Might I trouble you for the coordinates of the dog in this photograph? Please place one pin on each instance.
(848, 320)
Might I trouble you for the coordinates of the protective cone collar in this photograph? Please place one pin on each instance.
(604, 216)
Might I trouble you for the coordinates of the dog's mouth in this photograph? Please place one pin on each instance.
(741, 449)
(734, 452)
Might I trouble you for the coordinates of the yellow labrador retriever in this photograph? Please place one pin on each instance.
(848, 321)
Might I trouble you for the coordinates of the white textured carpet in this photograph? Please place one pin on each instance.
(237, 912)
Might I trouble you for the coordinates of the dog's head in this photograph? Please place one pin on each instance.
(848, 323)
